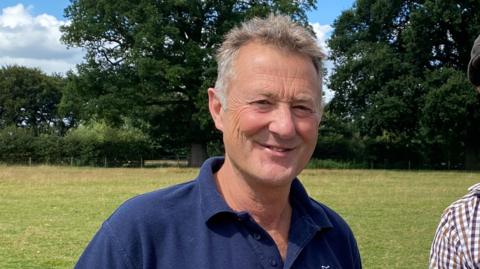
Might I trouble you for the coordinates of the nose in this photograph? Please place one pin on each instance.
(282, 122)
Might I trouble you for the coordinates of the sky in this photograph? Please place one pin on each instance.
(30, 36)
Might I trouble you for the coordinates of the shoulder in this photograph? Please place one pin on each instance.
(155, 206)
(456, 229)
(150, 225)
(463, 204)
(475, 189)
(463, 209)
(129, 236)
(461, 215)
(146, 221)
(167, 207)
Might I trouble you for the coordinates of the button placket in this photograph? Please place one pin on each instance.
(263, 245)
(273, 262)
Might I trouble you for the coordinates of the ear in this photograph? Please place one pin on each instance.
(215, 107)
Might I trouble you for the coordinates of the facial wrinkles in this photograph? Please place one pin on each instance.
(235, 108)
(291, 87)
(239, 103)
(255, 80)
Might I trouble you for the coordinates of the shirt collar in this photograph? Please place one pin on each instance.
(307, 208)
(212, 203)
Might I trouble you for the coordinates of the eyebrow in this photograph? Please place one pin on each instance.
(298, 98)
(304, 98)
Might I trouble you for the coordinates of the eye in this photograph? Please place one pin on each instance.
(303, 110)
(302, 107)
(262, 104)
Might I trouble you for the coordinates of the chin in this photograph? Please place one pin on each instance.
(277, 175)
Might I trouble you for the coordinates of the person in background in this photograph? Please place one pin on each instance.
(457, 239)
(246, 209)
(474, 64)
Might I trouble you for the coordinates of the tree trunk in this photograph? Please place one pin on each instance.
(472, 158)
(198, 154)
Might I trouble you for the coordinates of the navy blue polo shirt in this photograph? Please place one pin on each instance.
(190, 226)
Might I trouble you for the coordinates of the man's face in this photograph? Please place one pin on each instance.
(270, 124)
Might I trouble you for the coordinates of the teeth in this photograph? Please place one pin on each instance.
(278, 149)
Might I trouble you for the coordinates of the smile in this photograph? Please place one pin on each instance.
(278, 149)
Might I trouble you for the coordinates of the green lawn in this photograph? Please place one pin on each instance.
(48, 214)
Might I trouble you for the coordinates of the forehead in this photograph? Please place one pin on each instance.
(255, 52)
(261, 68)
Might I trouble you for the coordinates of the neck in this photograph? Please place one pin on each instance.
(269, 206)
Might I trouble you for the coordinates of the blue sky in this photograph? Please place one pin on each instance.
(29, 33)
(51, 7)
(327, 10)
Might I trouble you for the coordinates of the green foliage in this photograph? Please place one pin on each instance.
(338, 140)
(95, 141)
(394, 151)
(15, 141)
(29, 99)
(447, 114)
(446, 109)
(89, 144)
(48, 148)
(152, 61)
(400, 79)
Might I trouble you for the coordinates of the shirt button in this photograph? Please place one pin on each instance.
(273, 263)
(257, 236)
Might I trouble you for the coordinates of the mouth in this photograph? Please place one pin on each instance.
(278, 149)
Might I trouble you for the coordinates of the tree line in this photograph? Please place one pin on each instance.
(401, 100)
(35, 126)
(400, 81)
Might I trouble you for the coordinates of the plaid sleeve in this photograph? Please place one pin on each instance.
(457, 239)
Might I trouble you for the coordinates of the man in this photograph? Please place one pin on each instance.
(246, 210)
(457, 240)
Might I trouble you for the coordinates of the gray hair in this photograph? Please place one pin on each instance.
(276, 30)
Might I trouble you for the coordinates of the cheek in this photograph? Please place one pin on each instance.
(249, 123)
(308, 130)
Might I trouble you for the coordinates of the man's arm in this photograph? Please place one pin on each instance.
(446, 249)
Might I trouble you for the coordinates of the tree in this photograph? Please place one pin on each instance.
(384, 53)
(338, 140)
(152, 61)
(29, 99)
(447, 113)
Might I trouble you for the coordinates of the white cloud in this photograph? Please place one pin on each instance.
(34, 41)
(323, 33)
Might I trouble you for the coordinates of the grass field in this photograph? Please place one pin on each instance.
(48, 214)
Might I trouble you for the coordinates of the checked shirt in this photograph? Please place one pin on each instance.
(457, 240)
